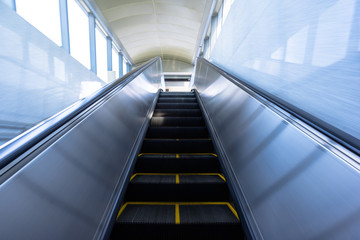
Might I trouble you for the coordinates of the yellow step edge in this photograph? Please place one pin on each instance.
(177, 214)
(180, 203)
(121, 210)
(177, 204)
(195, 154)
(177, 139)
(177, 175)
(232, 209)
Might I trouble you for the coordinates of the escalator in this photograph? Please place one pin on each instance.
(177, 189)
(75, 169)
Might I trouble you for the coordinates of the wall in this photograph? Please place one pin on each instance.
(38, 79)
(177, 66)
(307, 53)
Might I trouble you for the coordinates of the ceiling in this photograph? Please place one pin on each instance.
(172, 29)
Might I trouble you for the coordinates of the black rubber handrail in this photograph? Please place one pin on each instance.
(19, 145)
(337, 135)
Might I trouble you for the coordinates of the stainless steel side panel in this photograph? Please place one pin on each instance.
(291, 187)
(69, 190)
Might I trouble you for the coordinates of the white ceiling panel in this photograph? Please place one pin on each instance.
(174, 10)
(130, 10)
(192, 4)
(167, 28)
(103, 5)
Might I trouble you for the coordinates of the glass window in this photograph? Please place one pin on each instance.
(115, 62)
(42, 14)
(213, 32)
(79, 33)
(124, 67)
(206, 48)
(101, 57)
(226, 8)
(219, 21)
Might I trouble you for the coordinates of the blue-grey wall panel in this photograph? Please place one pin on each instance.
(69, 190)
(290, 185)
(307, 53)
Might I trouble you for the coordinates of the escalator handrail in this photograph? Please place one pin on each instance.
(19, 145)
(337, 135)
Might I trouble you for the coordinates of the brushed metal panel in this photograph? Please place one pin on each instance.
(292, 187)
(68, 191)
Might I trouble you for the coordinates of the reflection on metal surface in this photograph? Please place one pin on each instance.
(70, 189)
(306, 54)
(38, 78)
(290, 184)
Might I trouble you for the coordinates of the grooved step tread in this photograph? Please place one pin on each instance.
(177, 106)
(186, 95)
(177, 146)
(176, 121)
(208, 231)
(177, 178)
(170, 191)
(187, 212)
(177, 113)
(177, 132)
(177, 163)
(177, 187)
(177, 100)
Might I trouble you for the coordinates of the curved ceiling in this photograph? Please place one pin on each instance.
(172, 29)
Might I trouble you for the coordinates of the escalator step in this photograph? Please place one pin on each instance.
(177, 100)
(177, 132)
(177, 163)
(177, 221)
(177, 121)
(177, 146)
(200, 179)
(183, 178)
(208, 231)
(177, 113)
(154, 179)
(182, 192)
(183, 95)
(177, 188)
(177, 106)
(189, 213)
(148, 214)
(192, 214)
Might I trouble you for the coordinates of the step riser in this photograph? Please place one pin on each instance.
(176, 100)
(177, 113)
(177, 121)
(177, 132)
(177, 165)
(173, 146)
(176, 95)
(177, 106)
(177, 192)
(177, 232)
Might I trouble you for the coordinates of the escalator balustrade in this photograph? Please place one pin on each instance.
(177, 189)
